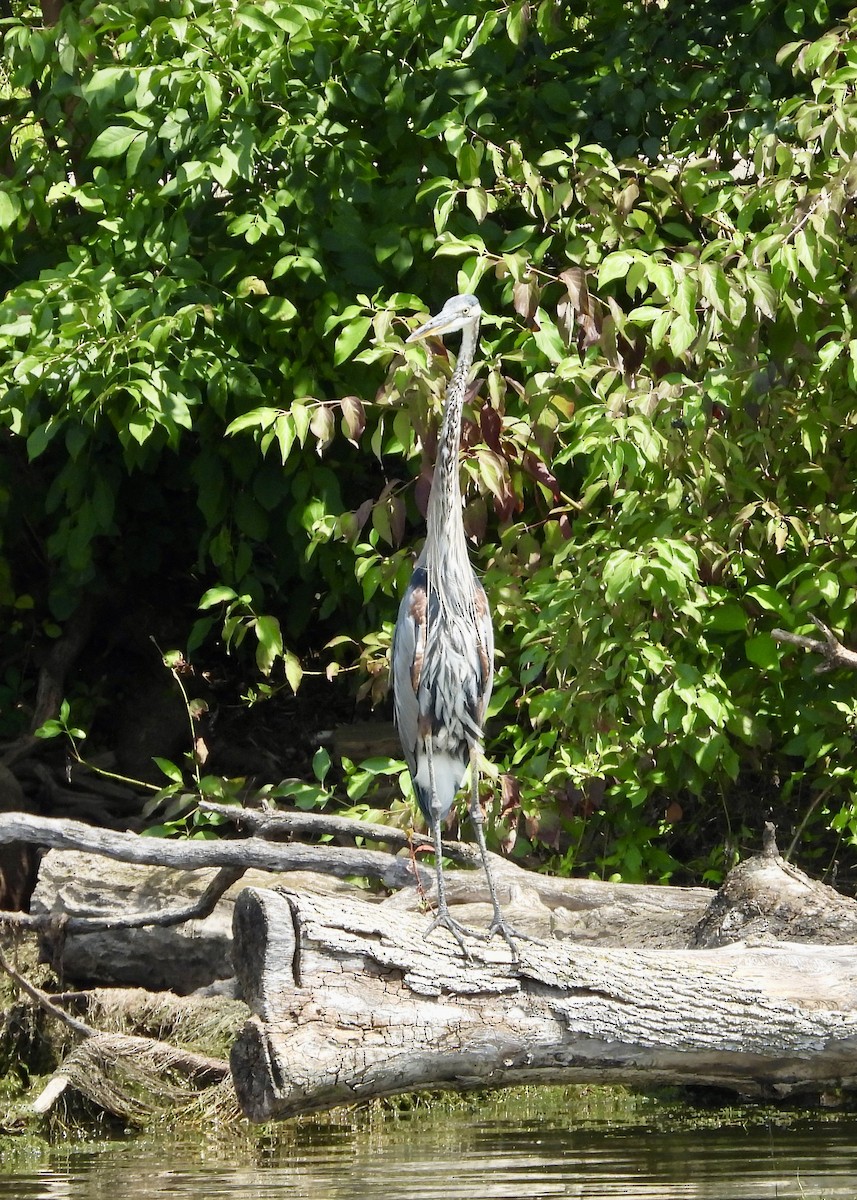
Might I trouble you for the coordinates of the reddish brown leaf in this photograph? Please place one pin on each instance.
(353, 418)
(578, 293)
(470, 433)
(397, 519)
(321, 426)
(510, 795)
(476, 519)
(492, 425)
(632, 354)
(539, 471)
(566, 321)
(525, 297)
(589, 332)
(627, 198)
(507, 840)
(361, 516)
(422, 489)
(608, 342)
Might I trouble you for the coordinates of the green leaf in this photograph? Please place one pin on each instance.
(350, 338)
(516, 22)
(769, 598)
(681, 335)
(727, 617)
(620, 570)
(763, 651)
(476, 199)
(114, 141)
(172, 772)
(50, 729)
(321, 764)
(259, 417)
(217, 595)
(255, 18)
(270, 643)
(41, 437)
(764, 293)
(294, 670)
(213, 94)
(614, 266)
(10, 209)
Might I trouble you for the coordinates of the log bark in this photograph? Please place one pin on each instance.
(106, 900)
(352, 1002)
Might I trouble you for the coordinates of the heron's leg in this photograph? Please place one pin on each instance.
(499, 924)
(444, 917)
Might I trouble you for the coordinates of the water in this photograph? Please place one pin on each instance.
(545, 1145)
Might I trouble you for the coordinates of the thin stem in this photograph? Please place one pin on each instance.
(104, 773)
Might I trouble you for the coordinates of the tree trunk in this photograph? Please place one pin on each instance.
(352, 1001)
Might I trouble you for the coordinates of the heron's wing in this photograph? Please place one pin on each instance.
(485, 649)
(406, 660)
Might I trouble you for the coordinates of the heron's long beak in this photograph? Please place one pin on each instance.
(437, 324)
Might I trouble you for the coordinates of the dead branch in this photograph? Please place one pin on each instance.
(339, 861)
(271, 824)
(44, 1001)
(199, 1067)
(832, 652)
(130, 1076)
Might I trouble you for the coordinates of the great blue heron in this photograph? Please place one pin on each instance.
(443, 645)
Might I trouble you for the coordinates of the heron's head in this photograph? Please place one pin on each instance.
(458, 313)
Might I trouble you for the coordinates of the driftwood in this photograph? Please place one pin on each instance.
(352, 1002)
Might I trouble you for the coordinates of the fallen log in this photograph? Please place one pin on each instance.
(352, 1002)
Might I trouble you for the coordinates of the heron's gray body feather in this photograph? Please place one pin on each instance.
(446, 677)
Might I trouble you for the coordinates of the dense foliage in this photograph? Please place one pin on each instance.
(217, 221)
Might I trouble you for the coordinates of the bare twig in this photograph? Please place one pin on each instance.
(833, 653)
(41, 998)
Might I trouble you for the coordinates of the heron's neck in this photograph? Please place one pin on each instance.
(446, 544)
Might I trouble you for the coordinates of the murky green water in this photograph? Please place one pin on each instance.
(510, 1148)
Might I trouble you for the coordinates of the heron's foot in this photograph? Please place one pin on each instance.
(511, 935)
(444, 920)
